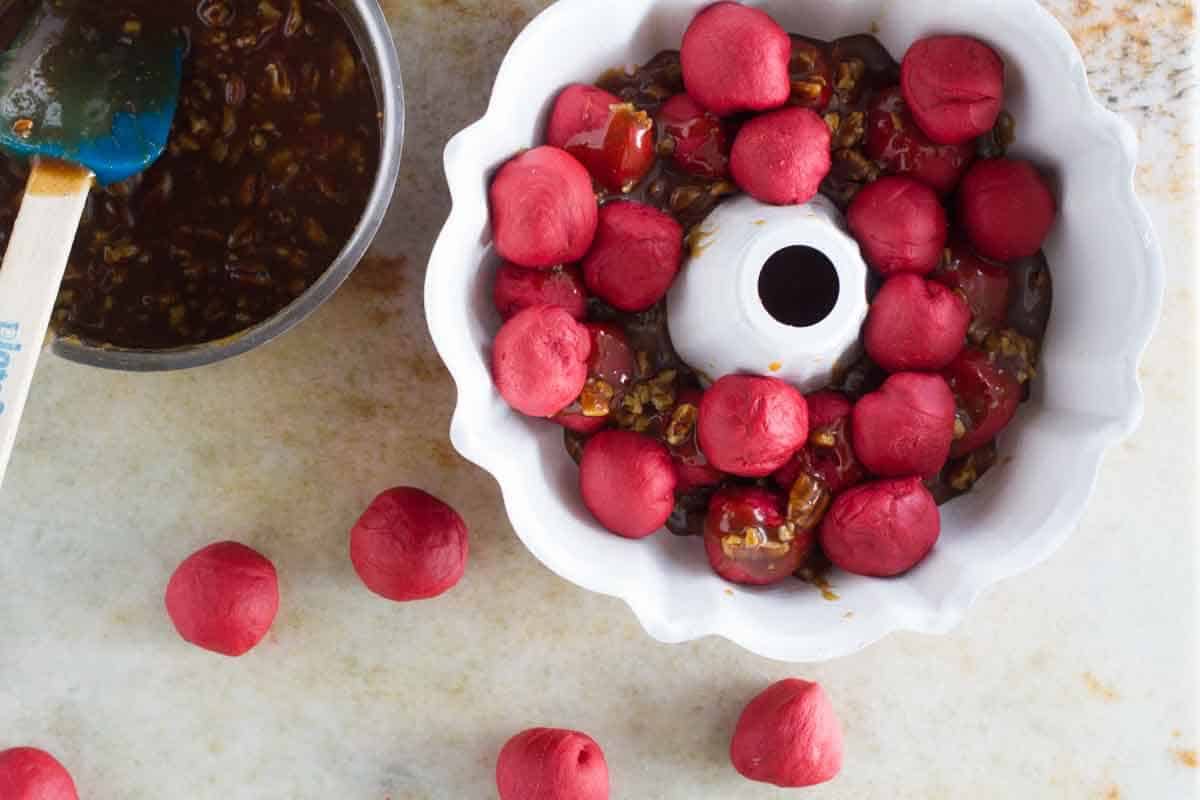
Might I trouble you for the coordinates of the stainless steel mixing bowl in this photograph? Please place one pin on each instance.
(374, 38)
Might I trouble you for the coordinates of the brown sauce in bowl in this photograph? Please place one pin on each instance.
(268, 168)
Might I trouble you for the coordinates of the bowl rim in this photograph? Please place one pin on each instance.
(367, 21)
(460, 356)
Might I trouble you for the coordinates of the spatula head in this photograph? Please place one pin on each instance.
(100, 98)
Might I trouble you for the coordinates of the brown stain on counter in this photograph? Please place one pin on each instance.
(383, 274)
(1187, 757)
(1099, 689)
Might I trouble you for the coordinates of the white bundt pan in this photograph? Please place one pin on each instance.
(1108, 276)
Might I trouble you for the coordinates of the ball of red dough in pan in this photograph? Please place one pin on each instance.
(540, 360)
(831, 459)
(781, 157)
(906, 427)
(517, 288)
(635, 257)
(408, 545)
(697, 137)
(628, 482)
(543, 209)
(612, 139)
(1006, 208)
(916, 325)
(580, 109)
(987, 398)
(551, 764)
(27, 773)
(694, 470)
(882, 528)
(900, 225)
(613, 361)
(735, 58)
(742, 537)
(954, 86)
(789, 736)
(224, 598)
(750, 426)
(901, 148)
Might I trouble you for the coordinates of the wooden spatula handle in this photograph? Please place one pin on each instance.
(32, 270)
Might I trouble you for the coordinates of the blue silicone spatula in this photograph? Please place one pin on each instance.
(83, 105)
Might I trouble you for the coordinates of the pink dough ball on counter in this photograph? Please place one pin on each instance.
(540, 360)
(224, 598)
(517, 288)
(550, 764)
(628, 482)
(735, 58)
(543, 209)
(27, 773)
(916, 325)
(750, 426)
(906, 427)
(900, 225)
(408, 545)
(954, 86)
(1006, 208)
(882, 528)
(781, 157)
(636, 256)
(788, 736)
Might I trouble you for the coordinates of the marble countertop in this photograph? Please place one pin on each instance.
(1077, 680)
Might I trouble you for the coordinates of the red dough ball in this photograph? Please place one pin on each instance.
(636, 256)
(882, 528)
(915, 324)
(901, 148)
(580, 109)
(742, 537)
(612, 361)
(408, 545)
(829, 455)
(550, 764)
(543, 209)
(986, 285)
(694, 470)
(788, 736)
(27, 773)
(518, 288)
(987, 399)
(735, 58)
(611, 138)
(1006, 208)
(906, 427)
(697, 137)
(539, 360)
(900, 226)
(782, 157)
(224, 598)
(628, 482)
(750, 426)
(954, 86)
